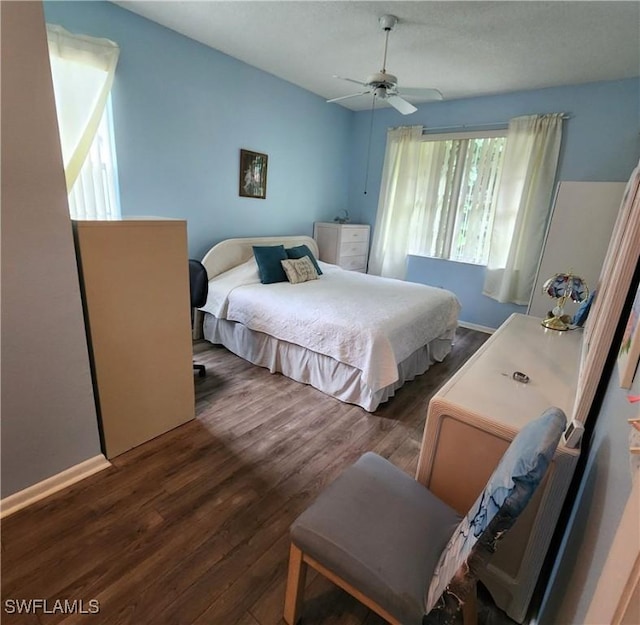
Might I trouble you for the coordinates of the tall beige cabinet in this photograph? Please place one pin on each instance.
(135, 287)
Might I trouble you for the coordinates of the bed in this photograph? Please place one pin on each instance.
(350, 335)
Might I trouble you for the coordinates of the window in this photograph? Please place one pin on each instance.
(458, 180)
(82, 69)
(94, 194)
(479, 198)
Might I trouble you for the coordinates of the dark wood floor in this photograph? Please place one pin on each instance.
(192, 527)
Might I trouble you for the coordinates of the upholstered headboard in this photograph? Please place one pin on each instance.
(232, 252)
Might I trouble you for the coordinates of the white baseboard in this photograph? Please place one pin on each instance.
(475, 326)
(51, 485)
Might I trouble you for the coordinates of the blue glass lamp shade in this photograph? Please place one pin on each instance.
(563, 286)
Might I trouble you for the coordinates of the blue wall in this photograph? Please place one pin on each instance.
(465, 280)
(182, 111)
(600, 143)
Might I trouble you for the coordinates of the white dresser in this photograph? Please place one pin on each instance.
(472, 419)
(346, 245)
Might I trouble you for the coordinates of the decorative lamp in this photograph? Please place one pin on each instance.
(563, 286)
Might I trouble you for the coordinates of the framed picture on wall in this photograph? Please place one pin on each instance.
(253, 174)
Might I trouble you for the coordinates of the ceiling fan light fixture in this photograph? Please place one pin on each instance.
(380, 92)
(388, 22)
(382, 78)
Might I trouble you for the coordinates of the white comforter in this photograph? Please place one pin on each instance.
(368, 322)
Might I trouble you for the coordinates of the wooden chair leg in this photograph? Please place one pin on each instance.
(295, 586)
(470, 608)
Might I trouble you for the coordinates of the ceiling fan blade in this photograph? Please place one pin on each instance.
(401, 105)
(424, 94)
(344, 97)
(357, 82)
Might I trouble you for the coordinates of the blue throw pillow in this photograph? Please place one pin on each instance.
(268, 259)
(508, 491)
(582, 313)
(300, 251)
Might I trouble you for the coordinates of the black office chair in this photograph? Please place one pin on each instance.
(199, 287)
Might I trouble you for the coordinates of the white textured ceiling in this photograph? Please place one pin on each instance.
(463, 49)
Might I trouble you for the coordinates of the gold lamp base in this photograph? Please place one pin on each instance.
(556, 323)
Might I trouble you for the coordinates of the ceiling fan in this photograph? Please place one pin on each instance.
(384, 86)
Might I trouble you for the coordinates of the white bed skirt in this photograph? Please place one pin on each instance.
(322, 372)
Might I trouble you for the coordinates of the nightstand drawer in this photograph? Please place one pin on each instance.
(353, 263)
(350, 235)
(357, 248)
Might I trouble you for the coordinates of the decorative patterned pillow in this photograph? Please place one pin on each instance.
(299, 270)
(508, 491)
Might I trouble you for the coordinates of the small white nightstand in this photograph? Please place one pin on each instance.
(346, 245)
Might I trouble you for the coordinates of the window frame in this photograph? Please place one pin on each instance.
(460, 135)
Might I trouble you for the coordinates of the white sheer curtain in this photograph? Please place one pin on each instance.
(434, 205)
(82, 68)
(455, 198)
(94, 194)
(523, 206)
(398, 190)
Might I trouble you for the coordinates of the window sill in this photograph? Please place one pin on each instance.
(447, 260)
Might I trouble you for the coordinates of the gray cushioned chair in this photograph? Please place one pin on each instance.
(392, 544)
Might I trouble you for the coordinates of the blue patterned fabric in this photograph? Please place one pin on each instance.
(508, 491)
(268, 259)
(582, 313)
